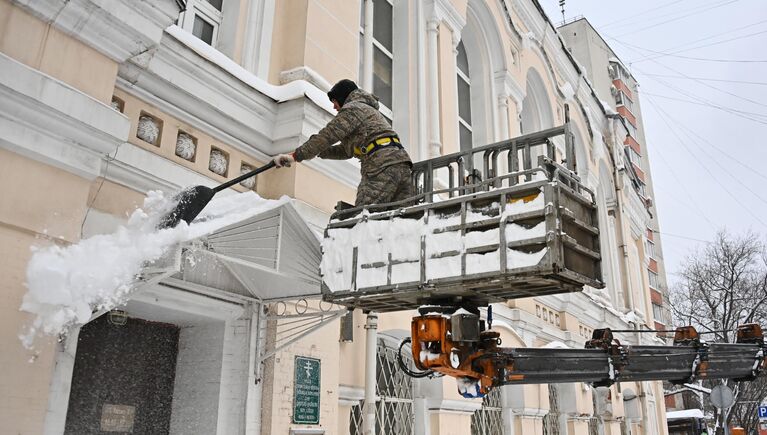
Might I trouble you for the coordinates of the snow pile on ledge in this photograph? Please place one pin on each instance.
(65, 285)
(685, 413)
(290, 91)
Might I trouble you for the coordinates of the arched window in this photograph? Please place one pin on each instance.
(383, 52)
(536, 110)
(394, 409)
(464, 98)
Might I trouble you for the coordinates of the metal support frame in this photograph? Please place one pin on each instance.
(371, 348)
(298, 326)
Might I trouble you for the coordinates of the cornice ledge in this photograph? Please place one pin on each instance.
(119, 30)
(452, 406)
(443, 10)
(48, 120)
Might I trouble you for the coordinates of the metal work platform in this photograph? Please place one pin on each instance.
(487, 225)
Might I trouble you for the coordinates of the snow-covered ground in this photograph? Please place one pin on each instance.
(65, 285)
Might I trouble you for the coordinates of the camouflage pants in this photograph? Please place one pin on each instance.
(388, 185)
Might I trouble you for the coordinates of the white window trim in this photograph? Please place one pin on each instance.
(463, 122)
(650, 247)
(384, 109)
(206, 11)
(649, 280)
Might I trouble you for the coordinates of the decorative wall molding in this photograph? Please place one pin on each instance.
(444, 11)
(47, 120)
(119, 30)
(305, 73)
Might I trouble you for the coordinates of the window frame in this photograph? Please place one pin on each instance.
(635, 157)
(650, 249)
(463, 76)
(653, 280)
(207, 12)
(621, 99)
(383, 108)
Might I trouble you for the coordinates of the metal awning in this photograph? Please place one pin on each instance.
(271, 256)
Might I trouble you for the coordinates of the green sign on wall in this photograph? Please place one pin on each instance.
(306, 391)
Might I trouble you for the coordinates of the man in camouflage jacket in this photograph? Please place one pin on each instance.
(364, 133)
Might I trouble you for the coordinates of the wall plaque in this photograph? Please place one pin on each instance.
(117, 418)
(306, 391)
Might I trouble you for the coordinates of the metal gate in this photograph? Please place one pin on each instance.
(394, 409)
(488, 419)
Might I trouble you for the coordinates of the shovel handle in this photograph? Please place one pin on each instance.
(245, 176)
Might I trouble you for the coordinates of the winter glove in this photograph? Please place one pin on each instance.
(286, 160)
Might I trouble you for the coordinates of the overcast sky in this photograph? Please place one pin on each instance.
(714, 181)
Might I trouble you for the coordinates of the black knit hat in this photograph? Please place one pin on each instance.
(341, 90)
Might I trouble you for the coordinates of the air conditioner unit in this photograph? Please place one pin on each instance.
(613, 90)
(612, 70)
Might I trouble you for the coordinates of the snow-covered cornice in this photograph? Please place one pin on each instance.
(530, 16)
(47, 120)
(117, 29)
(191, 81)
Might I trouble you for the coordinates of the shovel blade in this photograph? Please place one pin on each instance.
(190, 203)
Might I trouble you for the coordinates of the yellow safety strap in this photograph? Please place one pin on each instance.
(367, 149)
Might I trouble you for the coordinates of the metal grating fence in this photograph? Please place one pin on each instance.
(551, 420)
(488, 419)
(394, 409)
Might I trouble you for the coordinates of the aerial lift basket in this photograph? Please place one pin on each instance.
(498, 222)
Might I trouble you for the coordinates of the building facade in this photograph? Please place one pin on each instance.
(103, 102)
(616, 86)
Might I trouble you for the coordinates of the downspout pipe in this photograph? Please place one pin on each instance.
(371, 348)
(619, 205)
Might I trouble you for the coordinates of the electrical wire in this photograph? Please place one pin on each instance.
(736, 112)
(745, 186)
(706, 141)
(728, 32)
(681, 237)
(705, 168)
(758, 103)
(706, 79)
(108, 160)
(635, 47)
(664, 53)
(684, 189)
(639, 14)
(696, 12)
(729, 110)
(691, 57)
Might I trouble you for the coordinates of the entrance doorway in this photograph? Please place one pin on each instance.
(123, 378)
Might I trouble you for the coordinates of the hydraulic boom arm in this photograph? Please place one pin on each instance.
(456, 345)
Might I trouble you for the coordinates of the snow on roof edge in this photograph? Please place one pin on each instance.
(685, 413)
(290, 91)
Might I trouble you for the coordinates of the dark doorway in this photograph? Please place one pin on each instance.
(123, 378)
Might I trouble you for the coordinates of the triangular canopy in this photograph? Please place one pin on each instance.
(271, 256)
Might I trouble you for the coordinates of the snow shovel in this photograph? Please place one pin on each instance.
(192, 200)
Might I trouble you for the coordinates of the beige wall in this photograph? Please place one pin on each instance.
(39, 205)
(449, 423)
(289, 36)
(277, 408)
(41, 46)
